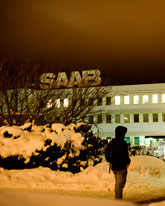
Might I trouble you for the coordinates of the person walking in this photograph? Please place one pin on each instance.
(119, 160)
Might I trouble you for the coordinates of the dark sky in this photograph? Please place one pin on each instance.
(125, 39)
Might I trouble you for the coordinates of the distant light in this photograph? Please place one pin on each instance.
(66, 102)
(49, 104)
(117, 100)
(145, 99)
(136, 99)
(163, 98)
(155, 98)
(126, 99)
(58, 103)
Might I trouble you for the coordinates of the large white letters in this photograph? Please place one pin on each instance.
(47, 80)
(75, 79)
(62, 80)
(89, 78)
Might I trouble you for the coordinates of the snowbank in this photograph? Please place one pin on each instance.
(19, 141)
(146, 174)
(94, 178)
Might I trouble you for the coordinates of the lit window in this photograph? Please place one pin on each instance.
(145, 99)
(126, 118)
(117, 100)
(108, 100)
(163, 98)
(99, 119)
(126, 99)
(49, 104)
(58, 103)
(108, 118)
(136, 99)
(155, 117)
(155, 98)
(66, 102)
(145, 117)
(117, 118)
(136, 118)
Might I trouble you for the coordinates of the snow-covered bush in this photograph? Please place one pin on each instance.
(59, 147)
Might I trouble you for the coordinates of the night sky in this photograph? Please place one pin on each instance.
(124, 39)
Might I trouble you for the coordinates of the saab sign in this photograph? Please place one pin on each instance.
(88, 78)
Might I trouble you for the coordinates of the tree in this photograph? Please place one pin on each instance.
(82, 102)
(22, 98)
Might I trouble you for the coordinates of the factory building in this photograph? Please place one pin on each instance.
(140, 108)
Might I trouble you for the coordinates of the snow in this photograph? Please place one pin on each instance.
(34, 198)
(26, 143)
(92, 186)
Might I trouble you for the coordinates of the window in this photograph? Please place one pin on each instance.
(66, 102)
(155, 98)
(90, 119)
(145, 117)
(136, 118)
(127, 139)
(117, 118)
(58, 103)
(126, 118)
(117, 100)
(155, 117)
(91, 100)
(163, 98)
(99, 119)
(108, 138)
(108, 100)
(163, 117)
(108, 118)
(126, 99)
(136, 99)
(74, 102)
(136, 140)
(99, 101)
(82, 102)
(49, 103)
(145, 99)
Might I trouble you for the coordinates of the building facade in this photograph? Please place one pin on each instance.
(140, 108)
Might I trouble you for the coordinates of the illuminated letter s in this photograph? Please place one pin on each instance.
(47, 80)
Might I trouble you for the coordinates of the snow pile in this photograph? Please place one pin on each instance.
(94, 178)
(148, 165)
(59, 147)
(21, 142)
(158, 204)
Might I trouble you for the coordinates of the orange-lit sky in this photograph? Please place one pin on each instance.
(125, 39)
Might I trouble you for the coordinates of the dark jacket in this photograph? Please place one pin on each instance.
(119, 154)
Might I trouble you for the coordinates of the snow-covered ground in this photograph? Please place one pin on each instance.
(43, 198)
(92, 186)
(146, 180)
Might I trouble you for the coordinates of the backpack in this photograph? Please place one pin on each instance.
(108, 152)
